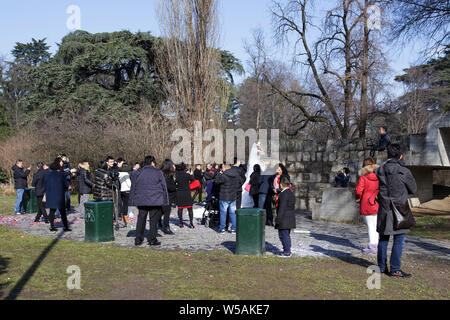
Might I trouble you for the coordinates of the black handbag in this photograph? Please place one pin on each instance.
(402, 214)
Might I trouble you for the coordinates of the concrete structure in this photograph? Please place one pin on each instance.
(338, 204)
(313, 165)
(428, 152)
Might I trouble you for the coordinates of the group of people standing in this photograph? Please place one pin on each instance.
(156, 191)
(51, 182)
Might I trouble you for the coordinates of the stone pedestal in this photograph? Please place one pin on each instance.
(338, 204)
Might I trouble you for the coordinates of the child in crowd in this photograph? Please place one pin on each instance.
(285, 220)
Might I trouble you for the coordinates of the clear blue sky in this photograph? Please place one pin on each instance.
(21, 20)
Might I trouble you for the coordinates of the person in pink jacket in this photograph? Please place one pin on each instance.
(366, 193)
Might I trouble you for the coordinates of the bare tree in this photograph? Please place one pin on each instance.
(341, 61)
(413, 104)
(256, 52)
(188, 61)
(426, 19)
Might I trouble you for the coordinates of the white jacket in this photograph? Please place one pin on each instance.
(125, 182)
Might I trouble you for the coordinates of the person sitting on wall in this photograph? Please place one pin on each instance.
(343, 178)
(383, 143)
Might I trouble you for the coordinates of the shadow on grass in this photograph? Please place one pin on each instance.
(430, 247)
(15, 292)
(343, 256)
(334, 240)
(4, 262)
(231, 246)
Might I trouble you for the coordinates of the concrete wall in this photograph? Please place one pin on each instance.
(337, 205)
(424, 181)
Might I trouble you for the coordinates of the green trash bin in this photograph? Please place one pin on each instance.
(250, 235)
(31, 201)
(98, 219)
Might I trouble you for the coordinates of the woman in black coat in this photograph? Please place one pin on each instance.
(184, 197)
(254, 184)
(168, 169)
(56, 186)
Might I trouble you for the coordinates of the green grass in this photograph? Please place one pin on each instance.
(112, 272)
(431, 227)
(7, 205)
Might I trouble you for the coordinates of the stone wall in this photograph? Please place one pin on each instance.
(313, 166)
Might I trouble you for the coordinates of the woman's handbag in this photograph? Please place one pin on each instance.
(403, 217)
(195, 185)
(247, 187)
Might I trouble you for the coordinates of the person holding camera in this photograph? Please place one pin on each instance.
(183, 180)
(342, 179)
(149, 194)
(103, 181)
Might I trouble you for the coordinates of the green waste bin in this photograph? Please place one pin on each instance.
(250, 236)
(98, 219)
(30, 201)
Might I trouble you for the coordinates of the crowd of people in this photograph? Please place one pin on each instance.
(381, 190)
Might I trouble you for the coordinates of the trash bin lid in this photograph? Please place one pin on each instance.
(99, 203)
(250, 212)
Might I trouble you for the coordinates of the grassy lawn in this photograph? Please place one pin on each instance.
(111, 272)
(431, 227)
(7, 205)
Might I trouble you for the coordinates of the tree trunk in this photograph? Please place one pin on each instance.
(363, 109)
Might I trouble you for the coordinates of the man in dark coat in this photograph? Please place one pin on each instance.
(20, 184)
(56, 186)
(285, 220)
(383, 143)
(66, 168)
(395, 183)
(229, 182)
(148, 193)
(39, 185)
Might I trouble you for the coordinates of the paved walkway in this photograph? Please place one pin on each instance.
(324, 239)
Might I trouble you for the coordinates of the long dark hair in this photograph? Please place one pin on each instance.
(56, 165)
(284, 171)
(257, 168)
(167, 168)
(181, 167)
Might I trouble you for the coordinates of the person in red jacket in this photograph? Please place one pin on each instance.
(366, 193)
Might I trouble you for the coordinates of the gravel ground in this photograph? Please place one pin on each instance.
(318, 239)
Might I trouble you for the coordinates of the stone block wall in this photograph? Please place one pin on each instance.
(313, 165)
